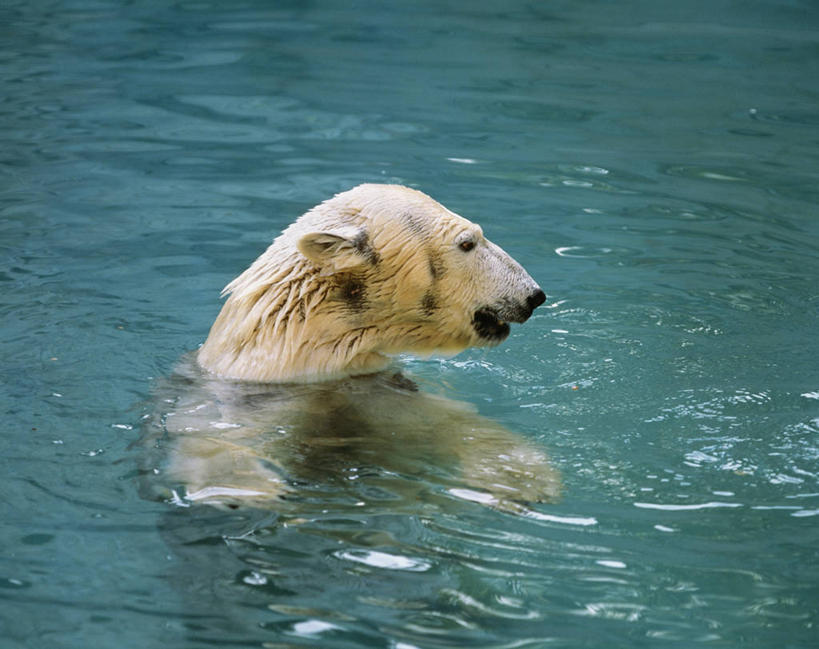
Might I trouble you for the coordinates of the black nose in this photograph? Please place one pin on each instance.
(535, 299)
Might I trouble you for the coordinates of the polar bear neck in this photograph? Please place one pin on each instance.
(275, 327)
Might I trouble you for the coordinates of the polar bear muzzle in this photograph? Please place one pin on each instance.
(492, 323)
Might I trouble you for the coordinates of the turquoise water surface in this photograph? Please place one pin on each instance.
(654, 165)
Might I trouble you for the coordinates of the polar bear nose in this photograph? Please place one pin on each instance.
(535, 300)
(520, 312)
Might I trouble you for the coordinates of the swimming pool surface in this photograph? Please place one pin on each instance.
(655, 166)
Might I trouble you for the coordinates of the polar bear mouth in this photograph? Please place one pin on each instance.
(492, 322)
(489, 326)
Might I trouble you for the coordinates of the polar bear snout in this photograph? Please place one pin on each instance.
(534, 301)
(520, 311)
(491, 322)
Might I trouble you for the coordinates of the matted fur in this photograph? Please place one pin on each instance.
(374, 271)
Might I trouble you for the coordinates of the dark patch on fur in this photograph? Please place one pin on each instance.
(436, 266)
(429, 303)
(486, 322)
(353, 291)
(415, 224)
(362, 245)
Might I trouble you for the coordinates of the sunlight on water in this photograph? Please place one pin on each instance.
(652, 165)
(383, 560)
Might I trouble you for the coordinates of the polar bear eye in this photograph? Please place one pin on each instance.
(467, 245)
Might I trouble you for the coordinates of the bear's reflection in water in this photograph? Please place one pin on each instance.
(232, 443)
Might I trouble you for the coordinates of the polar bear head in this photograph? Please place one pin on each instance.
(374, 271)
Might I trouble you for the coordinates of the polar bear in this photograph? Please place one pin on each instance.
(294, 376)
(374, 271)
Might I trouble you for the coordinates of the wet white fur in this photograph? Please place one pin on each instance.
(288, 318)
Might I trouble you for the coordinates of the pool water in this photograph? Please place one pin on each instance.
(653, 165)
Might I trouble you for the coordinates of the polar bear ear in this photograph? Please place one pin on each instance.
(339, 249)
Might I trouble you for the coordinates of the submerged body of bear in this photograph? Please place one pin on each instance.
(293, 366)
(231, 442)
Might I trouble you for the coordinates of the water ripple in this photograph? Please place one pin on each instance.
(384, 560)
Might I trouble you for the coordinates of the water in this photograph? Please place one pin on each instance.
(654, 166)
